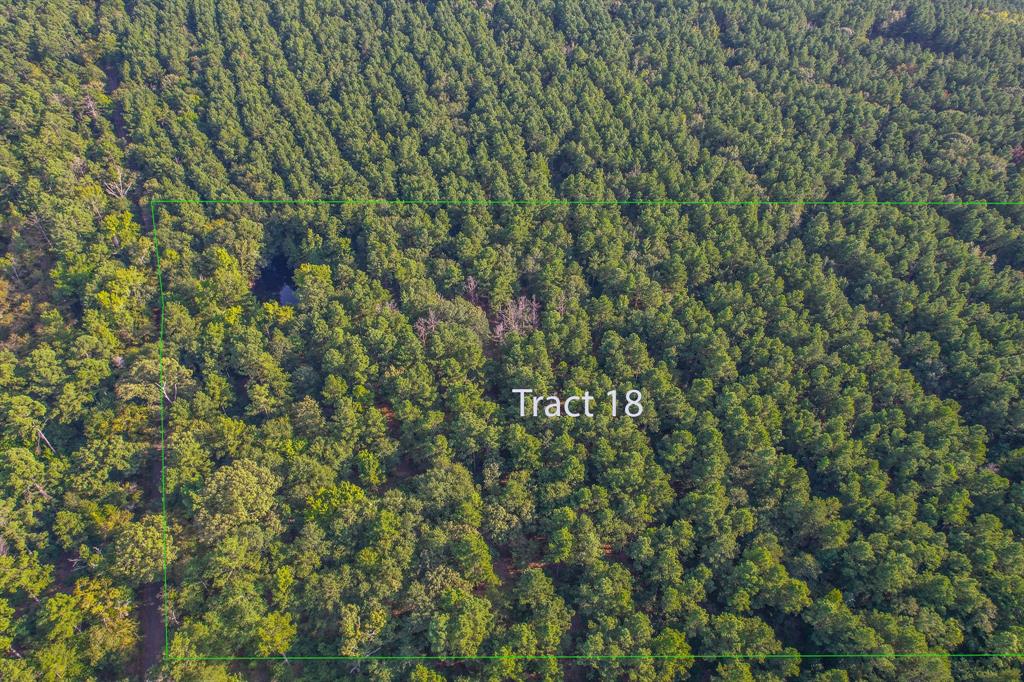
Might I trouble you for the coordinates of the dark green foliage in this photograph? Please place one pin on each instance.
(831, 454)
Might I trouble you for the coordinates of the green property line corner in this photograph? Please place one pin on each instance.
(507, 202)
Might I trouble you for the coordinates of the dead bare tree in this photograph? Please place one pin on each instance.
(425, 326)
(122, 183)
(518, 316)
(90, 108)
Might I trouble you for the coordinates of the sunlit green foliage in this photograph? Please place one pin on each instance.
(831, 455)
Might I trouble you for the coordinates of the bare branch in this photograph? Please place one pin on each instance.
(42, 491)
(122, 183)
(42, 436)
(518, 316)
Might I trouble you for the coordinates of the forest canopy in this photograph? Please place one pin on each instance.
(270, 272)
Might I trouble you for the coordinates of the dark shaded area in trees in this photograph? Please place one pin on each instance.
(275, 282)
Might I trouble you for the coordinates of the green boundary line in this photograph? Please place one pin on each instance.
(593, 202)
(656, 657)
(511, 202)
(163, 467)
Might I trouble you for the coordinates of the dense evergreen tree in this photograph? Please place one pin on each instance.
(830, 458)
